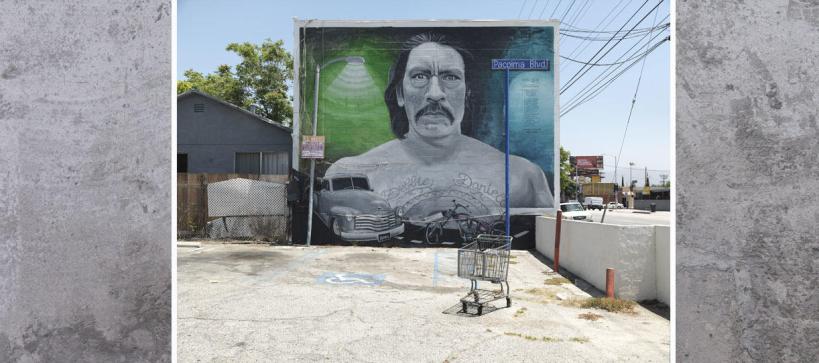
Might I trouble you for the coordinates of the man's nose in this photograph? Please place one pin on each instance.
(435, 93)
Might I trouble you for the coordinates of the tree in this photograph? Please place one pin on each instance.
(263, 73)
(567, 185)
(223, 85)
(258, 84)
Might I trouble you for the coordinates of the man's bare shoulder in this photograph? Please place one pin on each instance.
(389, 151)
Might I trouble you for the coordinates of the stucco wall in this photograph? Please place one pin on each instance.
(587, 249)
(662, 248)
(85, 177)
(746, 175)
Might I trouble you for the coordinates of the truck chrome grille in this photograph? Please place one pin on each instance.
(376, 222)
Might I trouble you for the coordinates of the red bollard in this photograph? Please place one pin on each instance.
(558, 222)
(610, 283)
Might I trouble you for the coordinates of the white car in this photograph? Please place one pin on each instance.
(613, 205)
(575, 211)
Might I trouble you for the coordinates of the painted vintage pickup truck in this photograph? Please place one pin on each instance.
(347, 205)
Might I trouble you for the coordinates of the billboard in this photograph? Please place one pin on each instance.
(588, 162)
(413, 119)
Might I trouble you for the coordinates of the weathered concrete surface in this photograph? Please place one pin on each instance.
(747, 171)
(253, 303)
(85, 141)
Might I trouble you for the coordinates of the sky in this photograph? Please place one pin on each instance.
(597, 127)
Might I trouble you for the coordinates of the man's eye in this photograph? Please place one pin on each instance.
(451, 78)
(420, 77)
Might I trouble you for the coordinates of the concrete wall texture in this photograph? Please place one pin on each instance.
(747, 170)
(587, 249)
(85, 181)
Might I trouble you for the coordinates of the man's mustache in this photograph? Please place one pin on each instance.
(435, 109)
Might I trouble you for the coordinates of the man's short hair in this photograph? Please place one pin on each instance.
(399, 123)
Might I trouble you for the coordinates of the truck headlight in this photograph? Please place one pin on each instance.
(399, 211)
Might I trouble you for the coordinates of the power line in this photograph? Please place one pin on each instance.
(567, 10)
(606, 64)
(606, 73)
(543, 10)
(533, 9)
(572, 53)
(555, 9)
(585, 70)
(604, 45)
(581, 11)
(634, 100)
(601, 87)
(630, 36)
(521, 8)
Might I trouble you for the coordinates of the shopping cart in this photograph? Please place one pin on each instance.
(485, 259)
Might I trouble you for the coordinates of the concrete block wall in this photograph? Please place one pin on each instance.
(85, 181)
(587, 249)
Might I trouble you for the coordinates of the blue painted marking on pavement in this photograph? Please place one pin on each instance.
(435, 271)
(350, 278)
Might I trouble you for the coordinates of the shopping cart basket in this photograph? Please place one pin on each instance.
(485, 259)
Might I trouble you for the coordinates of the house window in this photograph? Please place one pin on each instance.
(181, 163)
(262, 163)
(198, 107)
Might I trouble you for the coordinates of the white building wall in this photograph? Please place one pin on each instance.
(587, 249)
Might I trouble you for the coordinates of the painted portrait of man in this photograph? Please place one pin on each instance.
(433, 162)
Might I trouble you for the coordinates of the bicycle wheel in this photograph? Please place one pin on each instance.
(498, 229)
(470, 229)
(433, 233)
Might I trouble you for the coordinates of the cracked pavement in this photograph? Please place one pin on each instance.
(244, 303)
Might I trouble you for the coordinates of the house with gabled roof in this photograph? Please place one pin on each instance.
(215, 136)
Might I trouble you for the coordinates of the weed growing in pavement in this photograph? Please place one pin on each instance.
(554, 281)
(520, 312)
(542, 292)
(612, 305)
(580, 340)
(533, 338)
(590, 316)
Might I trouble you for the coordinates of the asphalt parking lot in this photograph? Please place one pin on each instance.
(247, 303)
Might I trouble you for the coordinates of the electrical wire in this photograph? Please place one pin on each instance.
(572, 53)
(521, 8)
(633, 102)
(606, 64)
(604, 46)
(630, 36)
(608, 82)
(533, 9)
(555, 9)
(585, 70)
(607, 72)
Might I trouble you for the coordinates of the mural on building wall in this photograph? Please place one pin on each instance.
(413, 119)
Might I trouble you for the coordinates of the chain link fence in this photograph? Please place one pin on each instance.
(248, 209)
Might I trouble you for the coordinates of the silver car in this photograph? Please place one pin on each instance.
(353, 212)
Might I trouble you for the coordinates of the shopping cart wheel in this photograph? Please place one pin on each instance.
(463, 307)
(480, 309)
(508, 302)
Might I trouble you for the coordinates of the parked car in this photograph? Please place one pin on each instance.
(613, 205)
(575, 211)
(593, 202)
(347, 205)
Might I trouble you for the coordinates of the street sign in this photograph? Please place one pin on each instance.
(312, 147)
(522, 64)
